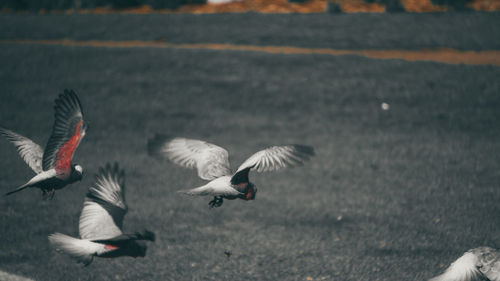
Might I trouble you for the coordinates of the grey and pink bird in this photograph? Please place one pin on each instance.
(53, 166)
(212, 163)
(101, 223)
(482, 263)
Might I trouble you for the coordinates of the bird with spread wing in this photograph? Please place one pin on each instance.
(482, 263)
(101, 223)
(212, 163)
(53, 166)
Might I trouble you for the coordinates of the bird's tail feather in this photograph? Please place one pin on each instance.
(185, 191)
(463, 269)
(35, 180)
(17, 189)
(194, 191)
(81, 250)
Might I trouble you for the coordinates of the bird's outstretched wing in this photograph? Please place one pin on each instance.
(482, 263)
(67, 132)
(271, 159)
(104, 206)
(210, 160)
(31, 152)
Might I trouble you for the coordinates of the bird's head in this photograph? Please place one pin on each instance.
(77, 172)
(84, 128)
(251, 191)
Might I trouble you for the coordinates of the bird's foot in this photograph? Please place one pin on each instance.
(217, 202)
(48, 194)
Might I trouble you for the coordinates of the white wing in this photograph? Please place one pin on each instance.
(81, 250)
(31, 152)
(482, 263)
(104, 206)
(277, 157)
(210, 160)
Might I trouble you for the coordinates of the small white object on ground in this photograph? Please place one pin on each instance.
(385, 106)
(12, 277)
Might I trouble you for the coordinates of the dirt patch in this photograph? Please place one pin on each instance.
(442, 55)
(421, 6)
(361, 7)
(259, 6)
(484, 5)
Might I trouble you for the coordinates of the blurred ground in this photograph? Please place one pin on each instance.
(391, 195)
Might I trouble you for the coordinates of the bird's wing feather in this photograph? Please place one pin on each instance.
(273, 158)
(210, 160)
(31, 152)
(67, 132)
(463, 269)
(104, 206)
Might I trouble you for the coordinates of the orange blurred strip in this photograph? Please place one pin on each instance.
(442, 55)
(359, 6)
(421, 6)
(242, 6)
(484, 5)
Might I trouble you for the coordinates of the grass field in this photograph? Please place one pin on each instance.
(390, 195)
(469, 31)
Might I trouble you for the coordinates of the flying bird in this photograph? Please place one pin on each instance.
(101, 223)
(212, 163)
(481, 263)
(53, 166)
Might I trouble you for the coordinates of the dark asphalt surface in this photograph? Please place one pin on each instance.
(391, 194)
(467, 31)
